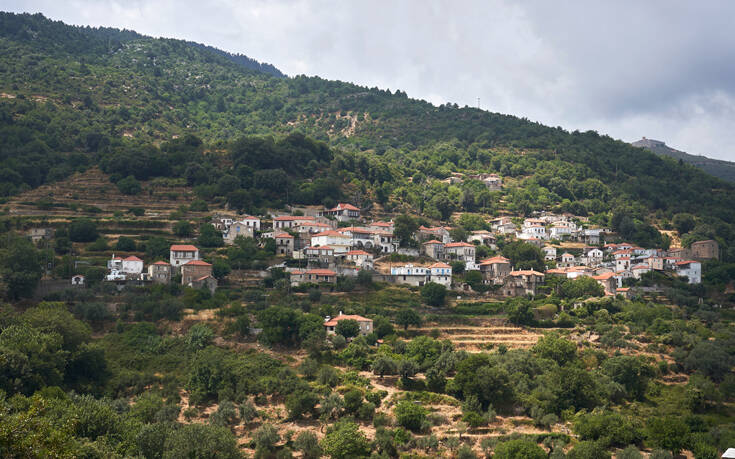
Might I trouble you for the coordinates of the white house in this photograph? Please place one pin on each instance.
(441, 273)
(503, 225)
(534, 231)
(342, 212)
(640, 270)
(132, 265)
(691, 269)
(549, 252)
(331, 238)
(77, 280)
(461, 251)
(622, 264)
(410, 275)
(567, 259)
(289, 221)
(253, 222)
(360, 258)
(180, 254)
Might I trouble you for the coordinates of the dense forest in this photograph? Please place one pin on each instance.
(168, 371)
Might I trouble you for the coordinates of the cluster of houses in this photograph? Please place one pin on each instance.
(183, 260)
(610, 265)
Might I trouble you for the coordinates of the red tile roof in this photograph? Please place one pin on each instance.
(357, 252)
(494, 260)
(183, 248)
(284, 236)
(197, 263)
(161, 263)
(290, 218)
(439, 265)
(132, 258)
(458, 244)
(433, 241)
(686, 262)
(345, 206)
(528, 272)
(333, 322)
(321, 272)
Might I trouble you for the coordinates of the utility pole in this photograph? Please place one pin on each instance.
(478, 103)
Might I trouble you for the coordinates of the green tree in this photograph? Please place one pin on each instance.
(308, 444)
(83, 230)
(581, 287)
(668, 432)
(552, 346)
(384, 365)
(433, 294)
(209, 236)
(406, 317)
(405, 227)
(588, 450)
(410, 415)
(519, 449)
(684, 223)
(348, 328)
(201, 440)
(125, 244)
(524, 256)
(20, 267)
(129, 186)
(345, 441)
(183, 228)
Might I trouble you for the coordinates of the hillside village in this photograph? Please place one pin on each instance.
(321, 249)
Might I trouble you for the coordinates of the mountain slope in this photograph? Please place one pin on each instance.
(152, 108)
(721, 169)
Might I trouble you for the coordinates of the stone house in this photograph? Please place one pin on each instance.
(342, 212)
(194, 270)
(494, 270)
(236, 229)
(366, 325)
(284, 244)
(433, 249)
(160, 272)
(522, 283)
(705, 250)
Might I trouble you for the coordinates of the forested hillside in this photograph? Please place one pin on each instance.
(74, 97)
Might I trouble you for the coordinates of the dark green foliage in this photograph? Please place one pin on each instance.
(581, 287)
(345, 441)
(125, 244)
(588, 450)
(524, 256)
(519, 449)
(410, 415)
(83, 230)
(201, 440)
(20, 267)
(608, 429)
(433, 294)
(406, 317)
(348, 328)
(129, 186)
(668, 432)
(209, 236)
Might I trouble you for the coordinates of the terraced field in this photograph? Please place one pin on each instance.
(483, 334)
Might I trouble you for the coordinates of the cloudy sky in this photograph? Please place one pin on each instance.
(664, 69)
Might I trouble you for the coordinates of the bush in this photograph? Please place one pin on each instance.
(125, 244)
(83, 230)
(129, 186)
(519, 449)
(588, 450)
(348, 328)
(410, 415)
(433, 294)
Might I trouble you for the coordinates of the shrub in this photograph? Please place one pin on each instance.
(514, 449)
(129, 185)
(410, 415)
(433, 294)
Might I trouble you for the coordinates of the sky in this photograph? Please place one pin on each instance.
(663, 69)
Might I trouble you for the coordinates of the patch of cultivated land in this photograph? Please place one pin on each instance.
(483, 333)
(92, 188)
